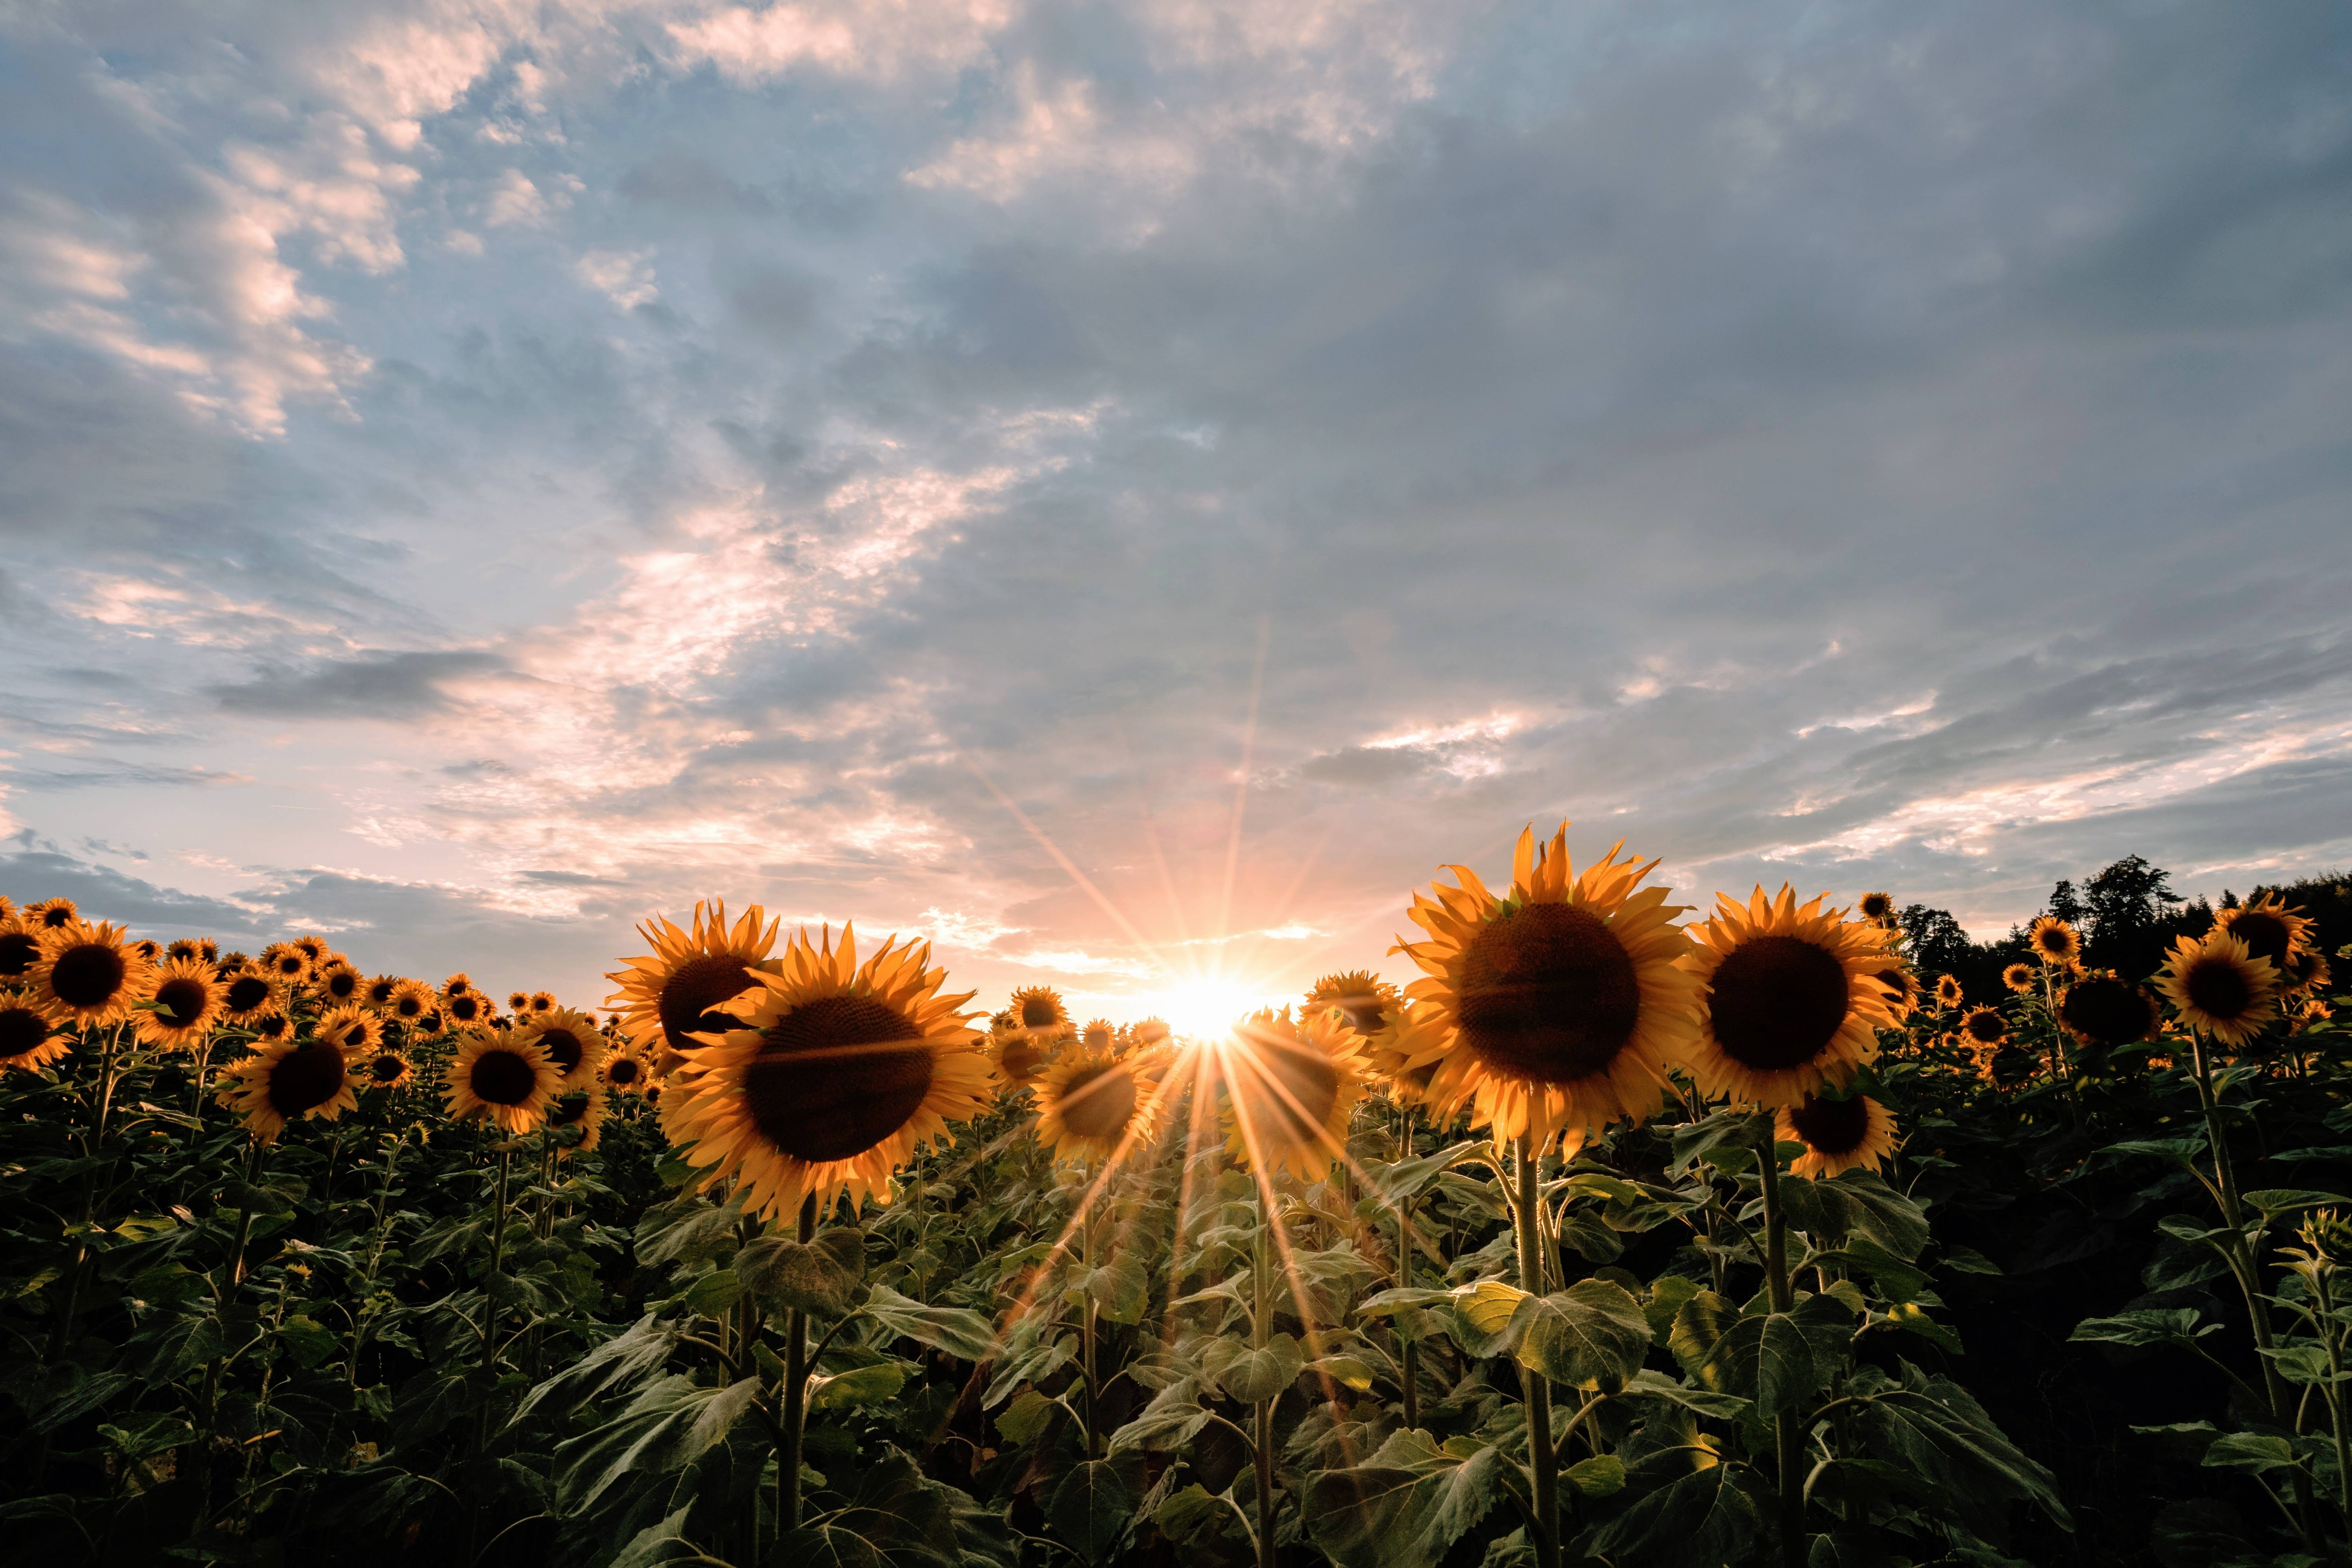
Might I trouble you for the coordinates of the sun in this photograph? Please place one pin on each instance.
(1207, 1007)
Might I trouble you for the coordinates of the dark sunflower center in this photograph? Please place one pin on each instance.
(572, 1108)
(290, 964)
(52, 918)
(21, 1030)
(180, 1000)
(1099, 1102)
(409, 1007)
(563, 1048)
(1021, 1058)
(1875, 905)
(89, 975)
(503, 1078)
(1985, 1028)
(351, 1037)
(1548, 995)
(18, 951)
(691, 998)
(2054, 943)
(1037, 1014)
(248, 992)
(343, 985)
(1778, 1002)
(2301, 967)
(1831, 1126)
(464, 1009)
(306, 1077)
(2264, 934)
(386, 1068)
(1295, 1097)
(2108, 1012)
(1898, 984)
(1097, 1039)
(379, 994)
(827, 1085)
(622, 1071)
(1364, 1013)
(2219, 989)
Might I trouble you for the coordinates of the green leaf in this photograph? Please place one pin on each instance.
(1165, 1425)
(1406, 1505)
(1667, 1295)
(1489, 1317)
(659, 1543)
(1911, 1315)
(1703, 1519)
(1600, 1476)
(1591, 1335)
(2276, 1201)
(1089, 1509)
(1189, 1511)
(1346, 1370)
(1021, 1420)
(2144, 1326)
(1592, 1240)
(958, 1330)
(1935, 1428)
(1388, 1303)
(308, 1340)
(817, 1277)
(2251, 1452)
(1263, 1373)
(666, 1426)
(857, 1387)
(1726, 1140)
(1775, 1358)
(713, 1293)
(1969, 1260)
(619, 1362)
(1874, 1210)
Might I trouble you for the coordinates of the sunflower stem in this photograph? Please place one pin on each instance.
(1087, 1337)
(491, 1298)
(61, 1341)
(1262, 1449)
(1776, 1278)
(1535, 1388)
(788, 1463)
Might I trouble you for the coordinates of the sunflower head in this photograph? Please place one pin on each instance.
(338, 983)
(1901, 986)
(353, 1030)
(624, 1073)
(188, 1000)
(576, 1120)
(271, 1025)
(1098, 1035)
(2307, 972)
(2219, 988)
(1290, 1087)
(1838, 1134)
(519, 1002)
(1151, 1034)
(1407, 1054)
(50, 914)
(465, 1010)
(542, 1002)
(2020, 977)
(289, 1080)
(1877, 907)
(1019, 1055)
(384, 1068)
(501, 1076)
(1949, 995)
(1093, 1104)
(1367, 1001)
(457, 985)
(29, 1040)
(1038, 1011)
(839, 1072)
(683, 987)
(285, 962)
(1791, 995)
(208, 950)
(410, 1003)
(2053, 941)
(1562, 1002)
(89, 975)
(2268, 927)
(1983, 1027)
(571, 1041)
(2105, 1011)
(181, 948)
(20, 949)
(378, 993)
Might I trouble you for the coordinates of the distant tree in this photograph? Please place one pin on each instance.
(2131, 910)
(1934, 940)
(2229, 900)
(2065, 905)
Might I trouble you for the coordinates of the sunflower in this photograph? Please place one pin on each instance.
(1017, 1055)
(2219, 988)
(29, 1040)
(465, 1010)
(1562, 1002)
(2269, 929)
(340, 984)
(20, 948)
(2312, 1014)
(1290, 1088)
(377, 994)
(690, 975)
(50, 914)
(519, 1002)
(1877, 907)
(2053, 941)
(1368, 1002)
(354, 1031)
(384, 1068)
(189, 1000)
(1949, 995)
(625, 1072)
(837, 1075)
(287, 1080)
(147, 948)
(182, 947)
(284, 962)
(7, 908)
(1407, 1053)
(1098, 1035)
(1151, 1034)
(2020, 977)
(1038, 1012)
(457, 985)
(504, 1076)
(87, 976)
(1902, 989)
(571, 1041)
(2306, 973)
(580, 1108)
(1791, 998)
(2106, 1011)
(1983, 1029)
(315, 948)
(542, 1002)
(1838, 1135)
(1091, 1102)
(411, 1002)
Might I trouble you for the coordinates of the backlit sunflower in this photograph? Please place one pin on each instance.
(377, 994)
(1091, 1102)
(2219, 988)
(50, 914)
(288, 1080)
(2269, 929)
(838, 1074)
(1838, 1135)
(1038, 1010)
(580, 1107)
(189, 1000)
(571, 1040)
(340, 984)
(1098, 1035)
(20, 949)
(625, 1072)
(181, 947)
(1407, 1052)
(384, 1068)
(690, 975)
(149, 949)
(87, 974)
(314, 948)
(519, 1002)
(1983, 1029)
(1877, 907)
(457, 985)
(1290, 1086)
(1790, 997)
(465, 1010)
(2020, 977)
(2053, 941)
(411, 1002)
(2306, 973)
(1367, 1001)
(1018, 1054)
(2106, 1011)
(29, 1040)
(270, 1026)
(7, 908)
(208, 950)
(282, 960)
(1901, 986)
(354, 1030)
(541, 1002)
(1949, 995)
(1562, 1002)
(1150, 1035)
(503, 1077)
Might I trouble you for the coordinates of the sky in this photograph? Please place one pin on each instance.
(1126, 492)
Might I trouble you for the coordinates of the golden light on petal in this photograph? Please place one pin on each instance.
(503, 1078)
(681, 989)
(20, 949)
(1790, 995)
(189, 999)
(1091, 1105)
(1290, 1086)
(2053, 941)
(2219, 988)
(1983, 1027)
(571, 1041)
(2020, 977)
(2269, 929)
(89, 975)
(29, 1040)
(1948, 993)
(289, 1080)
(1838, 1135)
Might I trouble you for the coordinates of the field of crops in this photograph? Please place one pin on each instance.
(1774, 1232)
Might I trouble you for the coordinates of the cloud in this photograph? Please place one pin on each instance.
(375, 686)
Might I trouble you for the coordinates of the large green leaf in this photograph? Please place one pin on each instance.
(1776, 1359)
(1591, 1335)
(1090, 1508)
(666, 1426)
(1702, 1519)
(1262, 1372)
(1407, 1505)
(1489, 1317)
(958, 1330)
(857, 1387)
(1933, 1428)
(620, 1361)
(2144, 1326)
(1865, 1205)
(819, 1276)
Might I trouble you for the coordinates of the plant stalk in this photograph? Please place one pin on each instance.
(1535, 1388)
(1775, 1275)
(1263, 1448)
(788, 1463)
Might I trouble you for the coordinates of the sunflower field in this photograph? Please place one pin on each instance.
(1628, 1234)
